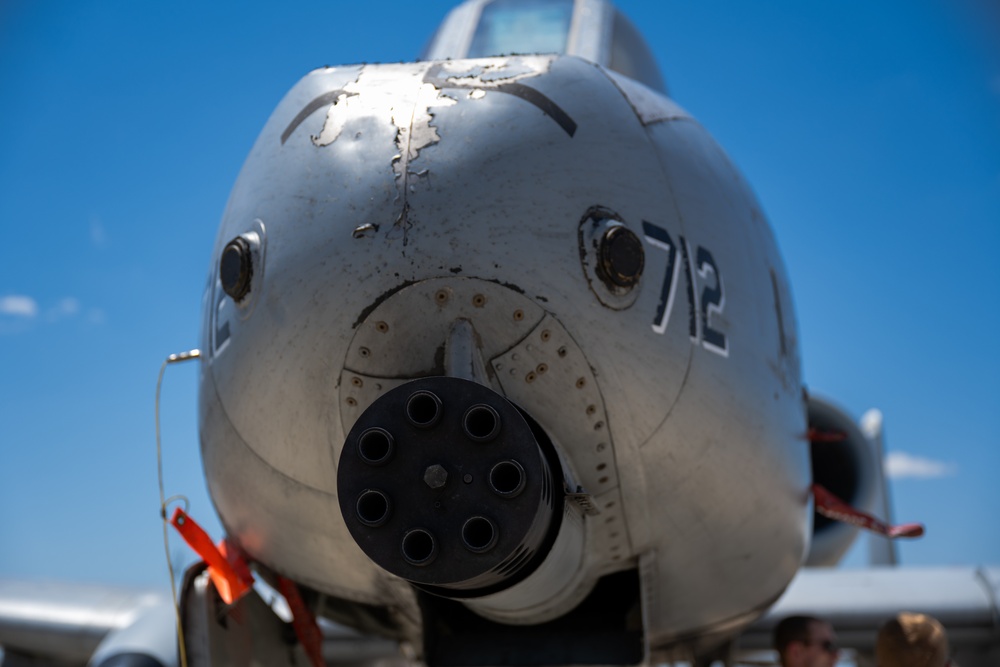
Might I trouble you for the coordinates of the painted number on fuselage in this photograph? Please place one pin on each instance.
(712, 298)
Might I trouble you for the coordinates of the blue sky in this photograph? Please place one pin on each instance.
(870, 131)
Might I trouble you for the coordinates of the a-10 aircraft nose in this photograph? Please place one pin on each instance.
(508, 234)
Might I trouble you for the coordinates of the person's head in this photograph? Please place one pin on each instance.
(805, 641)
(911, 640)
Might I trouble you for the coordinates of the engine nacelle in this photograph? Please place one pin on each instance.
(843, 462)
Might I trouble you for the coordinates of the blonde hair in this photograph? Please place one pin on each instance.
(911, 640)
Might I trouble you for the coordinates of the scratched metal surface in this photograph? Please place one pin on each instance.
(371, 179)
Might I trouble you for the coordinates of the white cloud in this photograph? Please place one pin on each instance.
(900, 465)
(18, 306)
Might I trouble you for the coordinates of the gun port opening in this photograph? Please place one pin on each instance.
(482, 423)
(479, 534)
(419, 547)
(507, 478)
(375, 446)
(423, 409)
(373, 508)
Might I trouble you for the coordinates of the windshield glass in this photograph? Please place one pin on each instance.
(522, 26)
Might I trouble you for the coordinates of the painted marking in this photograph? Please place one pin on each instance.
(323, 100)
(547, 106)
(435, 77)
(692, 305)
(221, 327)
(659, 238)
(713, 300)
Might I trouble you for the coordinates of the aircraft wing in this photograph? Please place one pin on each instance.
(56, 624)
(48, 623)
(858, 601)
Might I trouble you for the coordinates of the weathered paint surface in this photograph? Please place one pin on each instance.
(421, 187)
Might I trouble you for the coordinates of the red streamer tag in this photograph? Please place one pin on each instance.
(226, 566)
(834, 508)
(303, 622)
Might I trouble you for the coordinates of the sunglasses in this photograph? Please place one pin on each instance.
(826, 645)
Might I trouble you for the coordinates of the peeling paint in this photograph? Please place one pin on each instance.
(497, 73)
(502, 76)
(401, 225)
(326, 98)
(404, 98)
(390, 96)
(337, 117)
(362, 231)
(414, 129)
(403, 101)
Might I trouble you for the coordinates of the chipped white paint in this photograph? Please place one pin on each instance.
(347, 107)
(390, 95)
(413, 122)
(495, 72)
